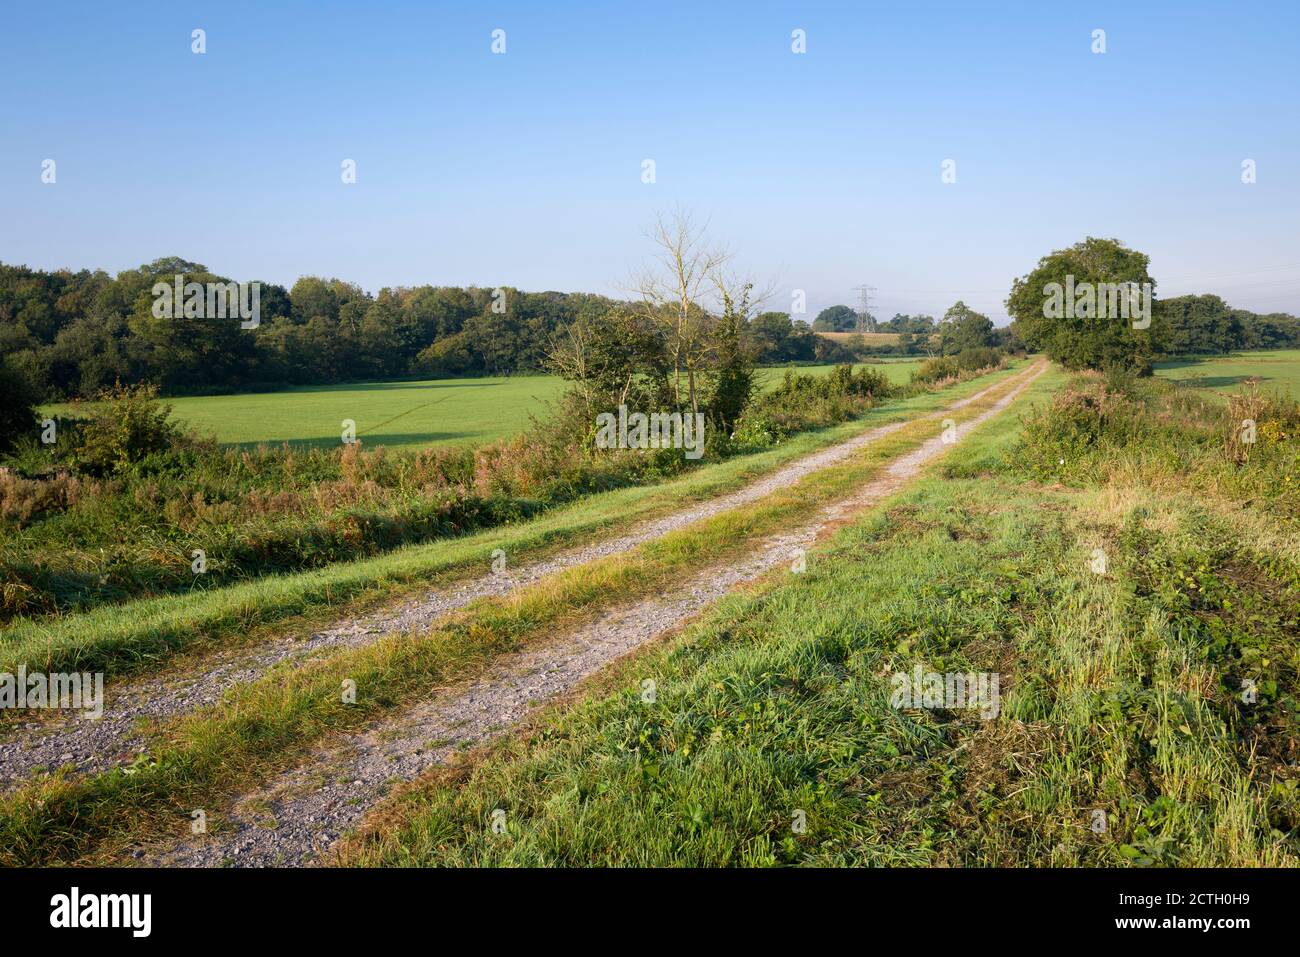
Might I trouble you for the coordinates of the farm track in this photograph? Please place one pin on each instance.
(87, 747)
(297, 818)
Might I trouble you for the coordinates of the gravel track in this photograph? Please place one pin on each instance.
(296, 819)
(118, 737)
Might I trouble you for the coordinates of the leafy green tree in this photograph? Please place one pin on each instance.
(613, 358)
(769, 333)
(1203, 324)
(312, 296)
(1277, 330)
(449, 356)
(901, 322)
(90, 354)
(1077, 340)
(383, 351)
(964, 328)
(821, 349)
(836, 319)
(1006, 339)
(182, 351)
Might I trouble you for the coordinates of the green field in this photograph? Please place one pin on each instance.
(400, 414)
(1275, 370)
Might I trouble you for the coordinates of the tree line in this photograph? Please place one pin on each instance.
(69, 334)
(75, 333)
(72, 334)
(1066, 307)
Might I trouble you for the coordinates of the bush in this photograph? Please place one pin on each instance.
(808, 402)
(1087, 415)
(978, 357)
(22, 499)
(936, 370)
(962, 364)
(125, 427)
(842, 381)
(1274, 419)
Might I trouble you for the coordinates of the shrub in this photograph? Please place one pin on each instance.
(935, 370)
(1274, 421)
(1088, 414)
(978, 357)
(125, 427)
(807, 402)
(959, 365)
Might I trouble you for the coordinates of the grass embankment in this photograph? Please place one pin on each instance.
(119, 639)
(266, 724)
(1124, 736)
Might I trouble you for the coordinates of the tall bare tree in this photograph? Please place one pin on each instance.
(676, 290)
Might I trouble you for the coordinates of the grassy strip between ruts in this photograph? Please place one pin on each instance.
(266, 724)
(1122, 736)
(136, 635)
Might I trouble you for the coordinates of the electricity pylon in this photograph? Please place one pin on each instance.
(866, 322)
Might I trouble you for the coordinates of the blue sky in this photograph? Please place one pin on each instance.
(821, 170)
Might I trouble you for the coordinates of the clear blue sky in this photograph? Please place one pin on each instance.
(821, 170)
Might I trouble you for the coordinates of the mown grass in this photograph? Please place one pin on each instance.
(1123, 737)
(265, 724)
(422, 414)
(130, 636)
